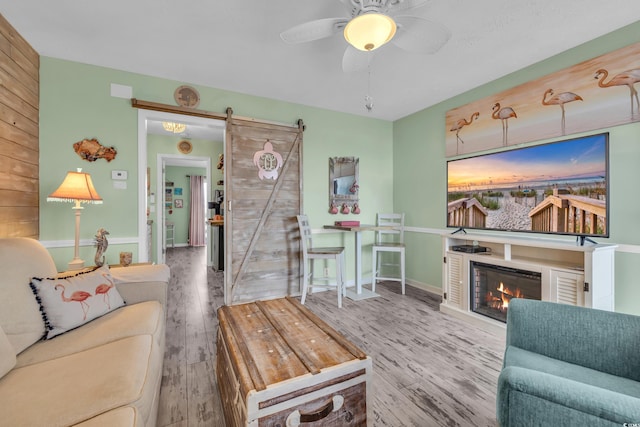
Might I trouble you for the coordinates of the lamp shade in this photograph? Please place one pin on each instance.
(369, 31)
(77, 186)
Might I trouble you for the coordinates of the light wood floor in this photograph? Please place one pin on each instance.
(430, 369)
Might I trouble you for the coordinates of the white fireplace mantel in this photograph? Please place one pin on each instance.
(570, 273)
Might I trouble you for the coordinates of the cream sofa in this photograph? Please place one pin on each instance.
(106, 372)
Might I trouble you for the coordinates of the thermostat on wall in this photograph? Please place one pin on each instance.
(118, 174)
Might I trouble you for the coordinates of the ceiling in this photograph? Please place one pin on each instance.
(212, 130)
(235, 45)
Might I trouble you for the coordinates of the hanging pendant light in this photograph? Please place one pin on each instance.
(174, 127)
(369, 31)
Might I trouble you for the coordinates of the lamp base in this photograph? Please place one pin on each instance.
(76, 264)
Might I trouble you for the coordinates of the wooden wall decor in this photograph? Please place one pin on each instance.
(591, 95)
(19, 135)
(268, 162)
(91, 150)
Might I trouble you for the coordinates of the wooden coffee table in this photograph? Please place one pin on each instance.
(280, 364)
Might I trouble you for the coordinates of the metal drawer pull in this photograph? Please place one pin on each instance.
(296, 417)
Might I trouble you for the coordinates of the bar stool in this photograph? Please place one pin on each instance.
(310, 254)
(169, 234)
(389, 240)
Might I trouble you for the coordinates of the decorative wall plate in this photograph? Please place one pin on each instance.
(187, 96)
(268, 162)
(185, 147)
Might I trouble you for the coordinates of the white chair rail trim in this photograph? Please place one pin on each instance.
(88, 242)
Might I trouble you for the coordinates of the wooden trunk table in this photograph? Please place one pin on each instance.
(278, 364)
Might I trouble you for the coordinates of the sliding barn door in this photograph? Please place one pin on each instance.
(263, 191)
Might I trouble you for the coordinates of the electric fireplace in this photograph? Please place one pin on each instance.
(493, 286)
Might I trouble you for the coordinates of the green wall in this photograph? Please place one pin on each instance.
(420, 163)
(402, 164)
(75, 103)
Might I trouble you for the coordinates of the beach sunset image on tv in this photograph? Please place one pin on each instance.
(559, 187)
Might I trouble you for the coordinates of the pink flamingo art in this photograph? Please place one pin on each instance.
(460, 124)
(77, 296)
(503, 114)
(560, 99)
(104, 289)
(626, 78)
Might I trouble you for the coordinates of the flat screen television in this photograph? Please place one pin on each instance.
(560, 187)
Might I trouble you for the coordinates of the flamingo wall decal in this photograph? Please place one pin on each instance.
(103, 289)
(560, 99)
(77, 296)
(626, 78)
(460, 124)
(503, 114)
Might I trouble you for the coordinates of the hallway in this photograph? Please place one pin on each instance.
(189, 395)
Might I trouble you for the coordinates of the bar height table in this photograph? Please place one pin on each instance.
(360, 293)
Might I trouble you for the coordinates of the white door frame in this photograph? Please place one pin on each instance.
(165, 160)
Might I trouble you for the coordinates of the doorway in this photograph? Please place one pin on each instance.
(151, 190)
(172, 189)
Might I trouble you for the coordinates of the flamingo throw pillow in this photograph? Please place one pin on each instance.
(69, 302)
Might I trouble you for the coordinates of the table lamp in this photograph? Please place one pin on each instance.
(77, 188)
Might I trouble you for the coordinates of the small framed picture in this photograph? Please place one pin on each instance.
(178, 203)
(177, 191)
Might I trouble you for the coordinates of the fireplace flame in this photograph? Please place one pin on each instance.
(501, 302)
(506, 294)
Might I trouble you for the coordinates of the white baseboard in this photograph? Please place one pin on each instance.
(425, 287)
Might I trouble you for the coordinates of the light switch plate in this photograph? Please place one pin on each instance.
(120, 185)
(118, 174)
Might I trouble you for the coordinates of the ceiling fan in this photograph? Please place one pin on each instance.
(371, 24)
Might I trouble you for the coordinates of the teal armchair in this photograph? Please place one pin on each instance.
(569, 366)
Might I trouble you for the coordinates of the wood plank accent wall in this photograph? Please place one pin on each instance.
(19, 134)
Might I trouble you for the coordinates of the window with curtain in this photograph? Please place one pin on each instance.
(197, 211)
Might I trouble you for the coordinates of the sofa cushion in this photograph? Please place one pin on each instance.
(7, 354)
(20, 260)
(121, 417)
(75, 388)
(69, 302)
(523, 394)
(130, 320)
(518, 357)
(141, 273)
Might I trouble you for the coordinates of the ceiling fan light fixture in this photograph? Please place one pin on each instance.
(174, 127)
(369, 31)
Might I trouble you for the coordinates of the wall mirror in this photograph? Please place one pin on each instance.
(343, 181)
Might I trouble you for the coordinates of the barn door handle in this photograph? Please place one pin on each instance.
(229, 205)
(296, 417)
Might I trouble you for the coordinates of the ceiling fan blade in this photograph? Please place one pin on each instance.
(349, 6)
(402, 5)
(420, 35)
(313, 30)
(355, 60)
